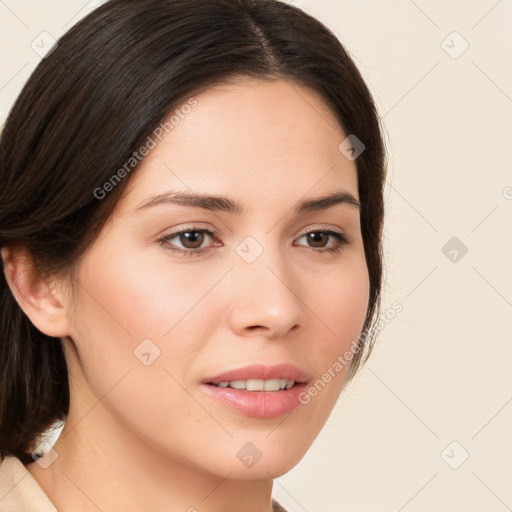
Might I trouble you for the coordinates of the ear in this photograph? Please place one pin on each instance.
(36, 296)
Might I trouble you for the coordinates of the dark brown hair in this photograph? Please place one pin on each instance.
(94, 100)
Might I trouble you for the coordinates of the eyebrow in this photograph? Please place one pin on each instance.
(227, 205)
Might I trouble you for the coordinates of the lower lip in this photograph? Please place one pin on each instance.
(257, 404)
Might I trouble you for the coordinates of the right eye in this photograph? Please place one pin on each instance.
(191, 239)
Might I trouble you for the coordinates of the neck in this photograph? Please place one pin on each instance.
(99, 467)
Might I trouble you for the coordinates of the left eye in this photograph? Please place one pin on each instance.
(191, 240)
(339, 239)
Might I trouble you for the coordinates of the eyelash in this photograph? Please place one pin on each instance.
(341, 240)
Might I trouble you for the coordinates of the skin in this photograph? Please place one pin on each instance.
(147, 437)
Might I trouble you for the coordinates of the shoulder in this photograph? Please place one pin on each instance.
(19, 491)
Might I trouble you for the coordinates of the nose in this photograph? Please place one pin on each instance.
(265, 297)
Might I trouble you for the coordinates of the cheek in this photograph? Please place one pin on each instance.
(342, 304)
(122, 303)
(346, 305)
(137, 297)
(124, 312)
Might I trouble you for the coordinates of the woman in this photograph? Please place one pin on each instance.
(192, 209)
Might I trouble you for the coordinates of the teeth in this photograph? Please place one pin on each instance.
(258, 384)
(255, 385)
(271, 385)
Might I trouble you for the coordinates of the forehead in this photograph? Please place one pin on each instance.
(258, 140)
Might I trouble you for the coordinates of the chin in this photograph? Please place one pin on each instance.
(257, 458)
(264, 469)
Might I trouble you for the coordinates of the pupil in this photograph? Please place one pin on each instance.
(189, 237)
(315, 236)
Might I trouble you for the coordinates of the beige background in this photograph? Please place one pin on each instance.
(442, 370)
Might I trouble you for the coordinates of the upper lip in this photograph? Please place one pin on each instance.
(260, 371)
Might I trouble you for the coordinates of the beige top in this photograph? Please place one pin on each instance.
(20, 492)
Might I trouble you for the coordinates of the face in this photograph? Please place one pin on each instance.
(243, 297)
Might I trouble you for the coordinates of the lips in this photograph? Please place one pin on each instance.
(260, 372)
(251, 390)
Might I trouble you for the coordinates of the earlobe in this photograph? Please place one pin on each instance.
(34, 293)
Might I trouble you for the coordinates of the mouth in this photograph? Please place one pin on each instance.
(256, 384)
(258, 391)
